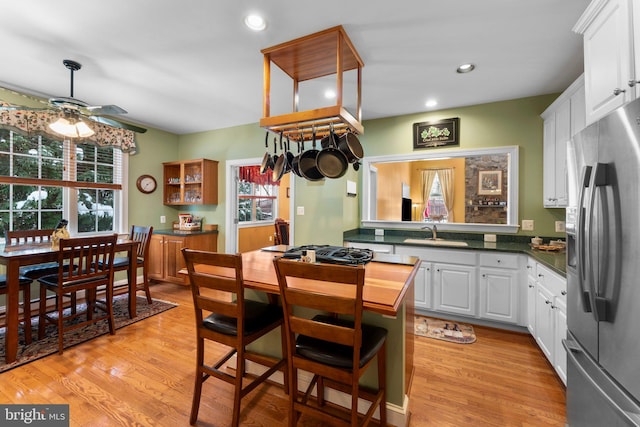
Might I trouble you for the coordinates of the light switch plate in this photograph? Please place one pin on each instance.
(527, 225)
(379, 232)
(560, 226)
(300, 210)
(490, 238)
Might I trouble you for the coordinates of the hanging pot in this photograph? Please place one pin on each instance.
(280, 166)
(331, 162)
(308, 166)
(295, 164)
(351, 147)
(290, 157)
(267, 160)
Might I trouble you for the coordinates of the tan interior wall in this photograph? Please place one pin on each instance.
(390, 179)
(458, 166)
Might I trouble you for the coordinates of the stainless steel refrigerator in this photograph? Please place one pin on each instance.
(603, 272)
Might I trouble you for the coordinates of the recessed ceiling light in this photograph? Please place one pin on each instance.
(255, 22)
(329, 93)
(431, 103)
(465, 68)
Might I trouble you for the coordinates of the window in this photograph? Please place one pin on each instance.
(257, 198)
(435, 209)
(43, 180)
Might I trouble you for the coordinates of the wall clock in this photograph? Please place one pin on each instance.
(146, 184)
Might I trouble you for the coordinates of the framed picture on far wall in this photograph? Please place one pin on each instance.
(489, 183)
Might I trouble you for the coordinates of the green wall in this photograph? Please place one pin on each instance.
(328, 211)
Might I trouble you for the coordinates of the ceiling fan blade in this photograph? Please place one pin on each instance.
(108, 110)
(117, 124)
(20, 107)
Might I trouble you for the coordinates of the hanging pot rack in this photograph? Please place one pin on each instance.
(316, 55)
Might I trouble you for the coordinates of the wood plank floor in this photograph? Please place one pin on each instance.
(143, 376)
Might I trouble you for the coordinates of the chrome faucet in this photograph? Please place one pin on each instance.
(434, 231)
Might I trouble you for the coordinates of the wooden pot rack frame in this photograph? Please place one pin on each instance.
(316, 55)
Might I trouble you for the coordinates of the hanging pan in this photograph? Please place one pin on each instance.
(295, 164)
(267, 160)
(331, 162)
(350, 146)
(308, 166)
(280, 166)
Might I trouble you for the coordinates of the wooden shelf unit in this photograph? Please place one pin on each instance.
(191, 182)
(316, 55)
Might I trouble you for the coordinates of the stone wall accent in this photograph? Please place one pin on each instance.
(485, 209)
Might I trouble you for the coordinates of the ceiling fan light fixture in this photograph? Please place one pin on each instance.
(72, 128)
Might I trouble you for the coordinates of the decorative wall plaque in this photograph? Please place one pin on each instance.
(436, 134)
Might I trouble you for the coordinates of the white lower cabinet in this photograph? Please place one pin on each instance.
(550, 307)
(500, 281)
(379, 248)
(423, 287)
(531, 296)
(455, 289)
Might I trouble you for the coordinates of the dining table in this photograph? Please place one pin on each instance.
(17, 255)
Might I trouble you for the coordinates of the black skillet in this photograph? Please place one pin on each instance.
(308, 166)
(281, 164)
(332, 163)
(295, 164)
(267, 160)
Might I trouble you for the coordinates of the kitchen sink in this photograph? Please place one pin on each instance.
(437, 242)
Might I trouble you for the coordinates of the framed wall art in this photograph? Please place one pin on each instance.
(490, 183)
(442, 133)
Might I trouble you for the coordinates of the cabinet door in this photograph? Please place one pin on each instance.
(578, 110)
(455, 289)
(156, 257)
(560, 357)
(545, 321)
(607, 58)
(499, 295)
(549, 162)
(423, 287)
(174, 261)
(379, 248)
(531, 305)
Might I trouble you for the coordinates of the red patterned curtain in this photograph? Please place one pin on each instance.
(252, 174)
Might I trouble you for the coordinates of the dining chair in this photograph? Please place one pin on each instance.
(21, 237)
(217, 287)
(334, 345)
(142, 235)
(92, 258)
(282, 232)
(25, 288)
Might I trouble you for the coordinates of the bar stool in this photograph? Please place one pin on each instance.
(336, 350)
(217, 288)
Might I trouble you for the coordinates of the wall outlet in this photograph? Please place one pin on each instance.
(527, 225)
(163, 219)
(560, 226)
(490, 238)
(300, 210)
(271, 238)
(379, 232)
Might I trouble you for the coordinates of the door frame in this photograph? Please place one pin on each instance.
(231, 223)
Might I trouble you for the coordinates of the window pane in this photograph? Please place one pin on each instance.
(245, 210)
(53, 199)
(95, 210)
(264, 209)
(50, 219)
(4, 164)
(52, 168)
(52, 148)
(25, 145)
(85, 172)
(105, 174)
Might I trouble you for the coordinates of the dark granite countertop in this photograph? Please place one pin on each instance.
(517, 244)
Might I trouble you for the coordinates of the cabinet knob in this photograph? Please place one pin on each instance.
(547, 302)
(499, 261)
(484, 275)
(529, 267)
(563, 292)
(553, 306)
(531, 286)
(632, 83)
(617, 91)
(540, 275)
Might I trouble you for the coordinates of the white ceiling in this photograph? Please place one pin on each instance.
(189, 66)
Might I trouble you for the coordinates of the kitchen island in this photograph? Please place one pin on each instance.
(388, 302)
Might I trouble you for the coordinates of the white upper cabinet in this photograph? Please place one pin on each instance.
(609, 59)
(562, 119)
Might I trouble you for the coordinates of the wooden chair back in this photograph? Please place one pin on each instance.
(328, 288)
(17, 237)
(282, 232)
(92, 258)
(141, 234)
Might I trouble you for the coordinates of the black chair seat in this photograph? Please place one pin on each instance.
(121, 262)
(52, 280)
(341, 355)
(22, 279)
(36, 271)
(257, 316)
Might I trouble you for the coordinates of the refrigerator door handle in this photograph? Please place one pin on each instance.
(599, 304)
(600, 381)
(581, 239)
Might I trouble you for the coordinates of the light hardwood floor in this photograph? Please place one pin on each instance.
(143, 376)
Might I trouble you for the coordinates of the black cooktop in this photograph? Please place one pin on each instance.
(333, 254)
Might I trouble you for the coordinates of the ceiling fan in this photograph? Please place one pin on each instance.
(74, 109)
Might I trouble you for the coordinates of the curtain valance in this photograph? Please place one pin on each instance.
(34, 122)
